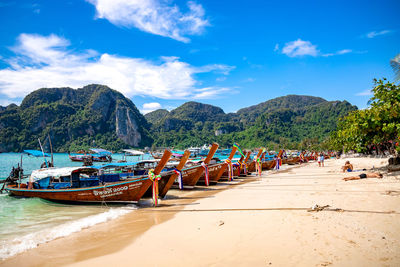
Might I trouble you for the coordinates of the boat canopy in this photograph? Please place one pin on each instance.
(117, 164)
(100, 151)
(133, 152)
(58, 172)
(124, 164)
(36, 153)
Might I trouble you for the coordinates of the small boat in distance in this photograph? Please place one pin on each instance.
(94, 155)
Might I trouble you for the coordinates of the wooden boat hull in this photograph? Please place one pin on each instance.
(236, 172)
(215, 172)
(162, 184)
(122, 191)
(251, 167)
(190, 176)
(94, 159)
(291, 161)
(268, 165)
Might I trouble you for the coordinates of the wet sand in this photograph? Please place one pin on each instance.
(258, 221)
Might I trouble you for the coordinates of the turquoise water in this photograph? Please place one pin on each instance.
(28, 222)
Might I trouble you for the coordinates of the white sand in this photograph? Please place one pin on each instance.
(255, 224)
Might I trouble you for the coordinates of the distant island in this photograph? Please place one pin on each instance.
(96, 115)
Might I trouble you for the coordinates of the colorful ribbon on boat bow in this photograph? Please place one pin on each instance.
(278, 163)
(236, 164)
(258, 166)
(180, 182)
(230, 169)
(206, 174)
(244, 167)
(154, 178)
(238, 149)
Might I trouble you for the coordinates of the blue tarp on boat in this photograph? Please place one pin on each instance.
(100, 151)
(36, 153)
(177, 152)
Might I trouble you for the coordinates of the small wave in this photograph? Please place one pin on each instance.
(9, 248)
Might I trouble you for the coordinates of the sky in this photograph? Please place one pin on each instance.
(231, 54)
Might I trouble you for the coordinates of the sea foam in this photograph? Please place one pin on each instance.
(9, 248)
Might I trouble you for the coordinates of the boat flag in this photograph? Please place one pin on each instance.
(238, 149)
(154, 178)
(180, 182)
(206, 173)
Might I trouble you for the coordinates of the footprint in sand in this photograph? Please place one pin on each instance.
(325, 263)
(352, 242)
(392, 193)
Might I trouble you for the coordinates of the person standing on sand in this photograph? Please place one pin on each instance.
(319, 161)
(322, 159)
(364, 176)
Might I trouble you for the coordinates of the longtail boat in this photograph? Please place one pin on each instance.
(83, 184)
(267, 164)
(244, 165)
(191, 175)
(311, 156)
(168, 178)
(291, 160)
(224, 173)
(252, 165)
(217, 168)
(96, 155)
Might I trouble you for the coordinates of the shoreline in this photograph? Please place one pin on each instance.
(257, 221)
(117, 233)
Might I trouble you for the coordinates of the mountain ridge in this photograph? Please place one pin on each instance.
(96, 115)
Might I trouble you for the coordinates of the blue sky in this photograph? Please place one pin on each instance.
(230, 54)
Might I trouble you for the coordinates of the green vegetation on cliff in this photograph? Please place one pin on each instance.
(290, 121)
(94, 115)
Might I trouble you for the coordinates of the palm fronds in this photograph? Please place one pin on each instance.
(395, 63)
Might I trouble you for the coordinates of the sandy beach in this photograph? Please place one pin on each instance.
(251, 221)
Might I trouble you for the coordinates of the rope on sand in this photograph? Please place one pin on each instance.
(317, 209)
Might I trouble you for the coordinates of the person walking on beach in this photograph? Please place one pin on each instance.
(322, 159)
(364, 176)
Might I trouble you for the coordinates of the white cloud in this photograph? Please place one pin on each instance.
(149, 107)
(340, 52)
(207, 93)
(344, 51)
(158, 17)
(45, 61)
(365, 93)
(300, 48)
(374, 34)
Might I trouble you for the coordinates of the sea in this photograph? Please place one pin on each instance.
(25, 223)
